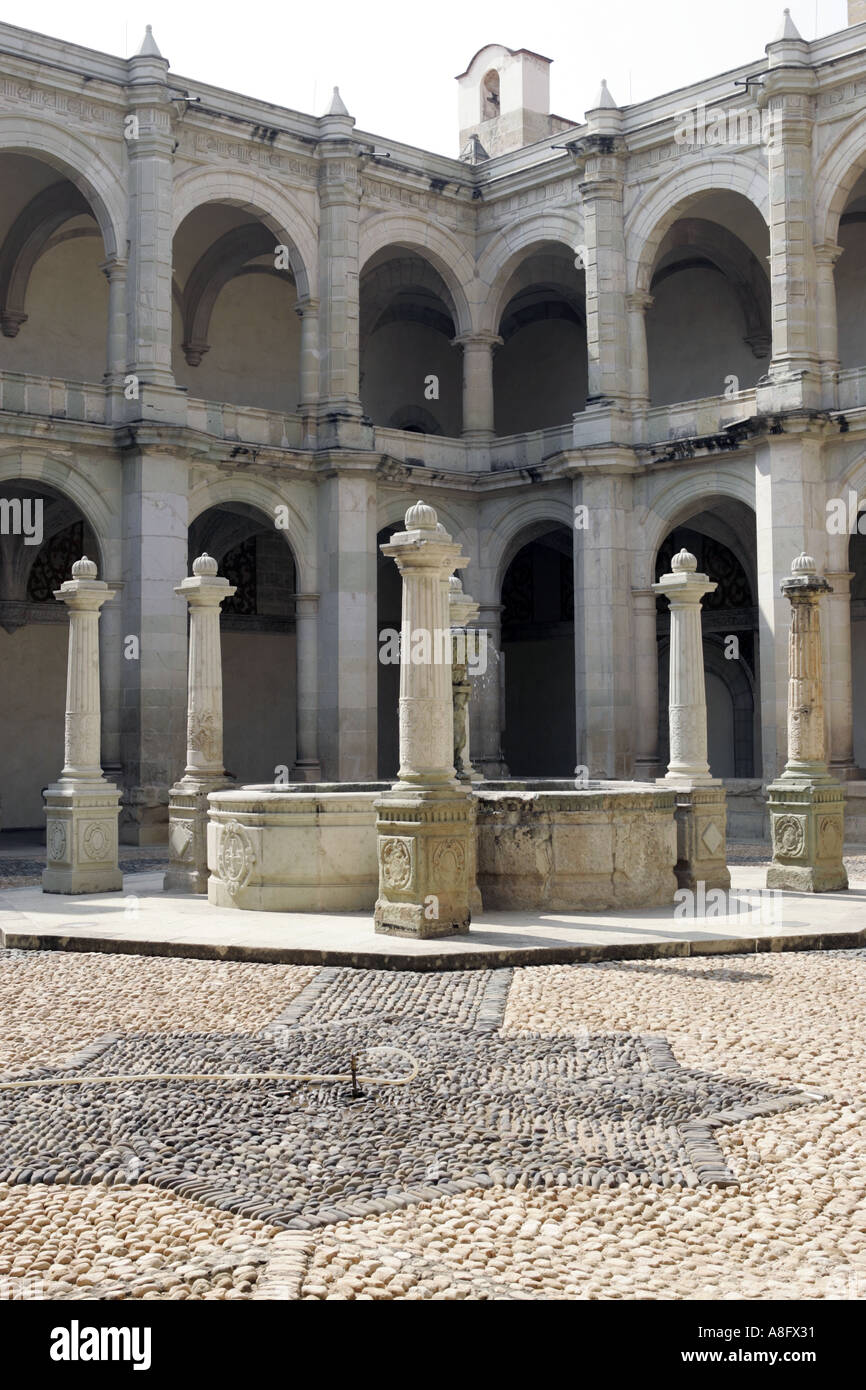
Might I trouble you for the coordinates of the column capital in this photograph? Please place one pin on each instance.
(115, 268)
(306, 605)
(310, 305)
(482, 339)
(638, 301)
(827, 253)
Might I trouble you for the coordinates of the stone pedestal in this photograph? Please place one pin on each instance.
(700, 799)
(426, 822)
(807, 804)
(188, 806)
(82, 808)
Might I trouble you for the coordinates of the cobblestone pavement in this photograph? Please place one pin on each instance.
(661, 1129)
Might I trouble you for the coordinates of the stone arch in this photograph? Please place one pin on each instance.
(70, 155)
(264, 498)
(651, 218)
(28, 467)
(29, 236)
(223, 260)
(515, 527)
(677, 500)
(444, 251)
(836, 175)
(273, 206)
(504, 254)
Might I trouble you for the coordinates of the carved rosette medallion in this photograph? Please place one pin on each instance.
(97, 840)
(789, 835)
(397, 862)
(235, 858)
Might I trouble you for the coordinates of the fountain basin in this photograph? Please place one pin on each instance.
(541, 844)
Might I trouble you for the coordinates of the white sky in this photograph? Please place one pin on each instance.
(395, 60)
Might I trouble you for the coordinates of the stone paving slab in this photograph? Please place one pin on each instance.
(145, 921)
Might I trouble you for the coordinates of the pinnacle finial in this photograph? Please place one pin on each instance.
(788, 29)
(337, 106)
(204, 565)
(148, 46)
(421, 517)
(604, 98)
(84, 569)
(804, 564)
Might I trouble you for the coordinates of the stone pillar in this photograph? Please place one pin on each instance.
(604, 683)
(601, 193)
(187, 806)
(307, 767)
(347, 646)
(838, 649)
(155, 482)
(487, 707)
(790, 517)
(308, 386)
(807, 804)
(150, 143)
(426, 822)
(478, 414)
(467, 645)
(826, 256)
(115, 272)
(638, 304)
(646, 679)
(700, 809)
(787, 94)
(340, 411)
(82, 808)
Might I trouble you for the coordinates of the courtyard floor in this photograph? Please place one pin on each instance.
(659, 1129)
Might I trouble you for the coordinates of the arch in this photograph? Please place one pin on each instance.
(651, 217)
(221, 262)
(415, 419)
(836, 175)
(66, 152)
(270, 204)
(516, 527)
(737, 263)
(676, 501)
(27, 238)
(433, 243)
(503, 256)
(37, 469)
(263, 497)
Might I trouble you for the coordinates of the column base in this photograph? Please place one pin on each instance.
(427, 862)
(807, 825)
(81, 838)
(701, 819)
(306, 771)
(187, 834)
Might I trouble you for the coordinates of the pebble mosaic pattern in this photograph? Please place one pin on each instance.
(738, 1029)
(486, 1108)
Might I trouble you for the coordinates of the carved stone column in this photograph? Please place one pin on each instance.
(646, 676)
(478, 418)
(807, 804)
(187, 806)
(307, 767)
(465, 644)
(426, 822)
(701, 803)
(487, 709)
(82, 807)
